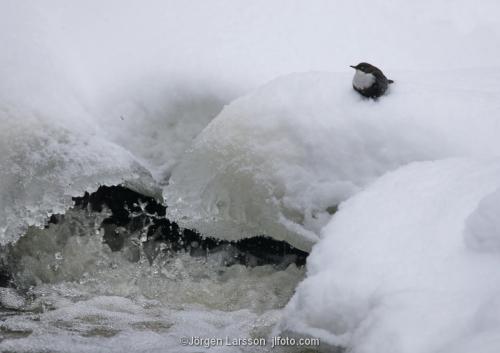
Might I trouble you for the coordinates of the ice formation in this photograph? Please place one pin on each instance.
(279, 159)
(83, 297)
(62, 134)
(94, 93)
(45, 164)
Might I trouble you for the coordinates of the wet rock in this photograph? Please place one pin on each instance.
(138, 219)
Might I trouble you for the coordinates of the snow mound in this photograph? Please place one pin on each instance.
(279, 160)
(393, 272)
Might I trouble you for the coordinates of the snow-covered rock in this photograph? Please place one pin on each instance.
(279, 160)
(101, 93)
(395, 271)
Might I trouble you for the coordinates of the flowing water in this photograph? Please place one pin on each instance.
(92, 282)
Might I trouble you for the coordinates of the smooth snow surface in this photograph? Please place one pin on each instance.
(403, 276)
(482, 231)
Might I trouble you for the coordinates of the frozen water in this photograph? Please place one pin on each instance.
(103, 93)
(58, 140)
(45, 164)
(128, 75)
(50, 149)
(279, 159)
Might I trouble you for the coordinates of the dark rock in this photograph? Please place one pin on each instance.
(143, 217)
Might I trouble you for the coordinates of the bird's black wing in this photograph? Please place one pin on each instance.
(379, 75)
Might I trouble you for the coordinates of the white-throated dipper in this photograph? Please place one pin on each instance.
(369, 81)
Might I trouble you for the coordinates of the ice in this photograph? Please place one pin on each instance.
(104, 93)
(57, 140)
(404, 277)
(120, 74)
(279, 160)
(44, 164)
(81, 296)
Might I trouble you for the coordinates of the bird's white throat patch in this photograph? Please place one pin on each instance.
(362, 80)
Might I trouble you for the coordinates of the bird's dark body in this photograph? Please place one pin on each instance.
(380, 84)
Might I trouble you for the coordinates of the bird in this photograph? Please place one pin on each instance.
(369, 81)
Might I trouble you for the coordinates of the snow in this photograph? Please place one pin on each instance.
(275, 161)
(104, 93)
(120, 73)
(482, 228)
(156, 119)
(62, 134)
(402, 277)
(45, 164)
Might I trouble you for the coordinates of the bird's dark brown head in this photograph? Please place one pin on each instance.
(364, 67)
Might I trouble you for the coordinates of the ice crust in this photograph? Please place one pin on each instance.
(44, 164)
(63, 132)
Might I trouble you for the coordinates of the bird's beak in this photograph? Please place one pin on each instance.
(354, 67)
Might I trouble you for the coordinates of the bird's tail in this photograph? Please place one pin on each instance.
(390, 81)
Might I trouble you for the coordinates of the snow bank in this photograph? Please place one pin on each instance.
(396, 272)
(279, 160)
(94, 93)
(149, 78)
